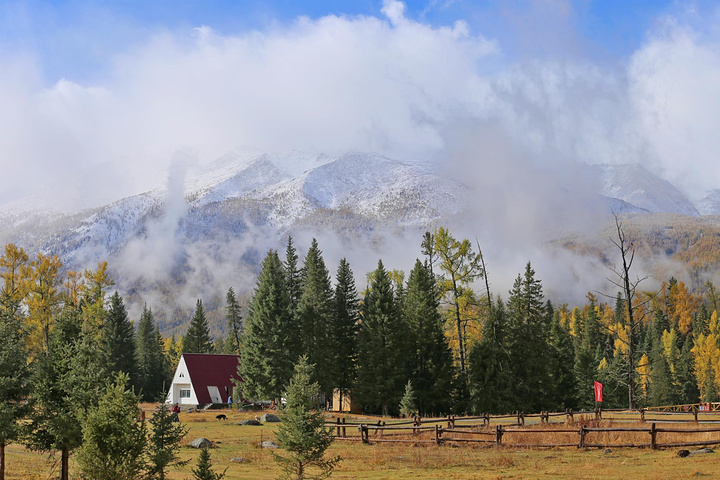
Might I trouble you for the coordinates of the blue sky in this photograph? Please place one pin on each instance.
(76, 39)
(92, 91)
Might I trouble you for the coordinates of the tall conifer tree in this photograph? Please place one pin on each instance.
(344, 330)
(14, 378)
(234, 320)
(293, 276)
(315, 317)
(382, 353)
(490, 366)
(430, 356)
(118, 339)
(528, 340)
(268, 355)
(197, 339)
(150, 357)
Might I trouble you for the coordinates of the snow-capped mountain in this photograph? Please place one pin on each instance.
(710, 205)
(355, 192)
(273, 192)
(640, 188)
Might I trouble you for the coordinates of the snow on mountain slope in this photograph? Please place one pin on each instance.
(368, 185)
(710, 205)
(257, 175)
(636, 185)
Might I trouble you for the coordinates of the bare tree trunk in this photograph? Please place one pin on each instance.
(627, 253)
(64, 461)
(458, 324)
(2, 460)
(484, 274)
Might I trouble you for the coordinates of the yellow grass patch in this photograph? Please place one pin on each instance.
(399, 461)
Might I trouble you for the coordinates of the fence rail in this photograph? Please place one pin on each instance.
(511, 429)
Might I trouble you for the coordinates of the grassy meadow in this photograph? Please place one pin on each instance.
(399, 461)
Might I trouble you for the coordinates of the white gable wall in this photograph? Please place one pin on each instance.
(181, 381)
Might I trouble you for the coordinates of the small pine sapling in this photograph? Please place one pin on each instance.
(302, 432)
(164, 441)
(204, 470)
(407, 403)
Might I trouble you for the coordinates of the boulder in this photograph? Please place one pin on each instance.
(239, 460)
(270, 418)
(702, 451)
(250, 422)
(190, 410)
(269, 444)
(201, 442)
(683, 453)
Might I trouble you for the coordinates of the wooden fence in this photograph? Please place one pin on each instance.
(579, 429)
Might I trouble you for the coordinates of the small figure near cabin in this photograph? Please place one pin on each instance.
(174, 411)
(229, 401)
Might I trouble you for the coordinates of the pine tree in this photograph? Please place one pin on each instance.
(430, 356)
(586, 363)
(314, 315)
(66, 385)
(234, 320)
(689, 392)
(527, 341)
(150, 357)
(562, 358)
(293, 276)
(344, 330)
(197, 339)
(204, 470)
(269, 350)
(302, 433)
(14, 377)
(408, 407)
(118, 340)
(489, 366)
(382, 352)
(164, 441)
(114, 438)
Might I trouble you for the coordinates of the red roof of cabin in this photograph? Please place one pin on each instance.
(207, 369)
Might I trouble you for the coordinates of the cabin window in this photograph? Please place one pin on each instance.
(185, 393)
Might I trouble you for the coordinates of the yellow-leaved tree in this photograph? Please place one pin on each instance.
(14, 265)
(707, 359)
(43, 301)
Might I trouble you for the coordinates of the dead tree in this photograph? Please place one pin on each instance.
(629, 287)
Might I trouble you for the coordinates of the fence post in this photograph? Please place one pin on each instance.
(642, 415)
(486, 420)
(653, 436)
(337, 429)
(569, 419)
(582, 433)
(695, 413)
(344, 431)
(437, 434)
(498, 434)
(364, 437)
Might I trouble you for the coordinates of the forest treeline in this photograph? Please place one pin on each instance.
(437, 332)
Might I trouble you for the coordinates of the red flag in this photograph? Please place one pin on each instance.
(598, 391)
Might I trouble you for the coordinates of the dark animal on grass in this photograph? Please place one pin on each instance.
(222, 416)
